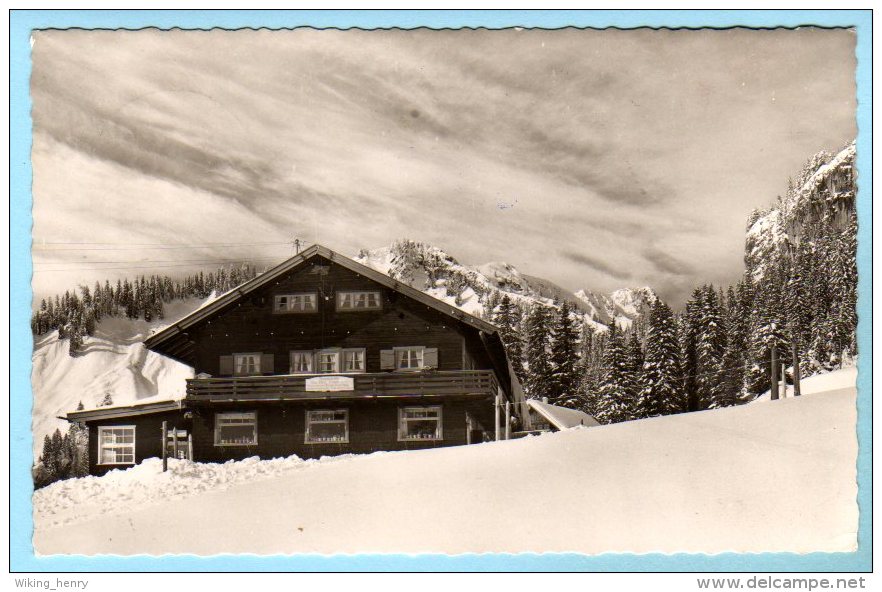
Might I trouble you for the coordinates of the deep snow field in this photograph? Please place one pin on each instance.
(112, 362)
(769, 476)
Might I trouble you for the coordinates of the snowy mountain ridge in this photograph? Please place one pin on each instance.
(476, 289)
(824, 188)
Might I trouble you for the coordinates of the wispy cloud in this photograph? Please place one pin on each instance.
(667, 263)
(640, 148)
(597, 265)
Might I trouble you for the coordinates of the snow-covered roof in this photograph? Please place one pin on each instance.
(151, 405)
(561, 417)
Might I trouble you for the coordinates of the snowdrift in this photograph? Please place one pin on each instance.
(768, 477)
(844, 380)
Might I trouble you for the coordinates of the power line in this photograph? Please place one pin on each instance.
(127, 267)
(44, 242)
(150, 261)
(148, 246)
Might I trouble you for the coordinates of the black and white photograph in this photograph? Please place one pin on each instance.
(403, 291)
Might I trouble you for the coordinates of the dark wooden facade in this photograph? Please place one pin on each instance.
(468, 379)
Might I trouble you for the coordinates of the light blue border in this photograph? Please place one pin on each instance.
(22, 22)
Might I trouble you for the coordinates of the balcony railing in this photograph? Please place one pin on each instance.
(381, 384)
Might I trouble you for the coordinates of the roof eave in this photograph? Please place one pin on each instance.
(121, 412)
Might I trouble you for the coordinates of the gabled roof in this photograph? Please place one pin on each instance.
(561, 417)
(293, 263)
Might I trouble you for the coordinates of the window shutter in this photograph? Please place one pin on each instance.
(387, 359)
(266, 363)
(226, 366)
(430, 357)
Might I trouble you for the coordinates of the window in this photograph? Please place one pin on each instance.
(353, 360)
(419, 423)
(408, 358)
(246, 364)
(359, 301)
(116, 445)
(304, 302)
(328, 361)
(302, 362)
(327, 425)
(235, 429)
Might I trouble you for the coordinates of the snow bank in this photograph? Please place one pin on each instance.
(776, 477)
(121, 490)
(838, 380)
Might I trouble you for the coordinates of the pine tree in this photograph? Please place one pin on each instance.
(709, 349)
(616, 396)
(689, 328)
(564, 389)
(731, 385)
(78, 438)
(662, 381)
(635, 354)
(539, 369)
(508, 319)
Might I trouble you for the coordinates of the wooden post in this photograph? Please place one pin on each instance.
(795, 354)
(783, 381)
(189, 446)
(497, 417)
(468, 428)
(164, 446)
(507, 419)
(774, 373)
(175, 441)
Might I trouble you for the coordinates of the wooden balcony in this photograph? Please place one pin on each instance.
(427, 383)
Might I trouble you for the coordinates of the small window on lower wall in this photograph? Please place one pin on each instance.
(116, 445)
(419, 423)
(327, 426)
(235, 429)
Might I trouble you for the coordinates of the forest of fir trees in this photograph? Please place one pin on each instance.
(716, 352)
(75, 313)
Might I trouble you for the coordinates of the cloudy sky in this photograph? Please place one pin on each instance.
(595, 159)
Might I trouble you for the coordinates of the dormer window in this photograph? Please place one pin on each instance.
(359, 301)
(302, 302)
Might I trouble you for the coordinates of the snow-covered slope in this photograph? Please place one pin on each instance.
(767, 477)
(470, 288)
(844, 379)
(112, 362)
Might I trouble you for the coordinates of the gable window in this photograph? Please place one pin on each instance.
(328, 361)
(419, 423)
(353, 360)
(409, 358)
(235, 429)
(302, 362)
(246, 364)
(359, 301)
(116, 445)
(301, 302)
(327, 425)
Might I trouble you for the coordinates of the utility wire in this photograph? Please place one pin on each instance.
(148, 261)
(69, 269)
(150, 246)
